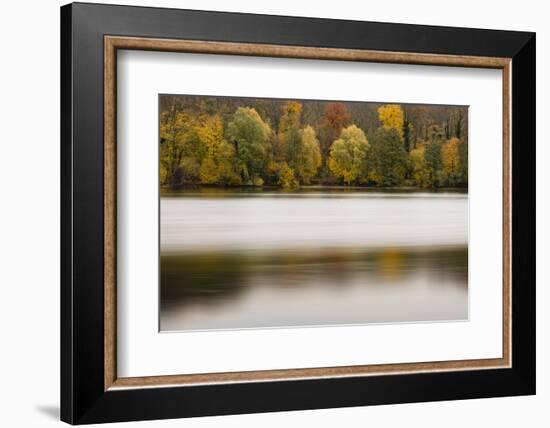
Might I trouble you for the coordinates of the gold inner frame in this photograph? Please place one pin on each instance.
(113, 43)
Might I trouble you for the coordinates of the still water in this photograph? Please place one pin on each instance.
(270, 259)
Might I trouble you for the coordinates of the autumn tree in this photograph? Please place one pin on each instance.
(450, 157)
(291, 142)
(289, 135)
(335, 118)
(220, 167)
(172, 132)
(181, 149)
(419, 170)
(229, 141)
(387, 159)
(249, 135)
(309, 157)
(291, 115)
(392, 116)
(286, 178)
(348, 153)
(210, 132)
(208, 171)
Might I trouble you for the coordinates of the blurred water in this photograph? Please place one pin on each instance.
(274, 259)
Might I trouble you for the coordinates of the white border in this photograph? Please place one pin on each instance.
(143, 351)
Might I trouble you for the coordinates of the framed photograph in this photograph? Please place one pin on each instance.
(266, 213)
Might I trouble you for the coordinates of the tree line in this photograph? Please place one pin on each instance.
(230, 141)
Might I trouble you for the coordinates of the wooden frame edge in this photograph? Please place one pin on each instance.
(112, 43)
(109, 198)
(301, 52)
(507, 213)
(308, 373)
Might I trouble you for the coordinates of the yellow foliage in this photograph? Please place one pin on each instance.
(218, 164)
(176, 129)
(292, 112)
(210, 132)
(420, 173)
(174, 125)
(309, 157)
(163, 173)
(287, 180)
(374, 176)
(209, 171)
(219, 167)
(348, 153)
(450, 156)
(391, 116)
(226, 164)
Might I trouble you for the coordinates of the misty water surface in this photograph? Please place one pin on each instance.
(272, 259)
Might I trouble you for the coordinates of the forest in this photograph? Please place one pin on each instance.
(234, 141)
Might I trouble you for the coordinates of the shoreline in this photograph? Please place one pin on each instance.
(200, 188)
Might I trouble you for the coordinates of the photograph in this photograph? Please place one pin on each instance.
(301, 213)
(265, 216)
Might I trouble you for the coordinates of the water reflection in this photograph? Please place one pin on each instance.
(291, 288)
(259, 260)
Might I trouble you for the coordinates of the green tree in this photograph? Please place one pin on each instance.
(432, 155)
(189, 171)
(235, 141)
(226, 160)
(420, 173)
(407, 130)
(249, 135)
(291, 142)
(348, 153)
(387, 160)
(289, 135)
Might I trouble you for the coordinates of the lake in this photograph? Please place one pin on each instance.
(234, 260)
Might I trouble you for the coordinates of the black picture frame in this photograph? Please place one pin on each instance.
(83, 396)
